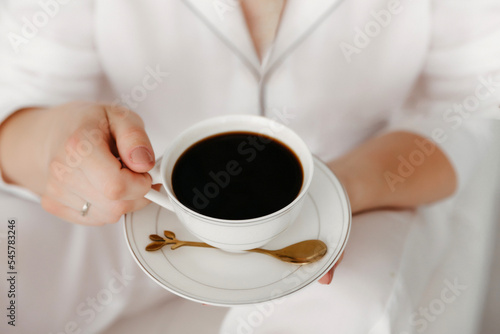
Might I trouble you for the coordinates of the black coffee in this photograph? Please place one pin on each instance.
(237, 175)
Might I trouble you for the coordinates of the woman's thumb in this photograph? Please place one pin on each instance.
(132, 142)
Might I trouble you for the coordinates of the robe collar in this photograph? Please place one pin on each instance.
(225, 19)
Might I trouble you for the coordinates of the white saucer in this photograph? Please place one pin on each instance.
(216, 277)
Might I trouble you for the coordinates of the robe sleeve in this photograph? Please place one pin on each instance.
(456, 100)
(46, 58)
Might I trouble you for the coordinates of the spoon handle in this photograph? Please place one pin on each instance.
(180, 243)
(275, 254)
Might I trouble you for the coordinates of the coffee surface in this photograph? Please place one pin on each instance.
(237, 175)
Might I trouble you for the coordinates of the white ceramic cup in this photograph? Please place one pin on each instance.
(231, 235)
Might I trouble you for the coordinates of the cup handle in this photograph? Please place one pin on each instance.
(154, 195)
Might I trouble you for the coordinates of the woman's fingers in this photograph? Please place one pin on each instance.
(106, 174)
(132, 142)
(328, 277)
(85, 167)
(69, 201)
(96, 159)
(64, 212)
(95, 215)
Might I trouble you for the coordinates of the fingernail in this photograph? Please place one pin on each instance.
(141, 155)
(330, 276)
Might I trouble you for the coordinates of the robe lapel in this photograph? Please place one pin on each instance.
(299, 20)
(225, 19)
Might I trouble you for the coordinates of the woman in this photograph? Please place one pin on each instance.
(394, 96)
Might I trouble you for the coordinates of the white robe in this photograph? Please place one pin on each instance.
(339, 72)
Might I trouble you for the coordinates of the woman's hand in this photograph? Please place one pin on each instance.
(69, 156)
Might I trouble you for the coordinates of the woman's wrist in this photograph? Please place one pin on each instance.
(22, 153)
(353, 185)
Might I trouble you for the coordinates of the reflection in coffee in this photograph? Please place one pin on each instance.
(237, 175)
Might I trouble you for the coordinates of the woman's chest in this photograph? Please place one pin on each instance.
(262, 18)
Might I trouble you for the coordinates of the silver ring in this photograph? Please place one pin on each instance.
(85, 209)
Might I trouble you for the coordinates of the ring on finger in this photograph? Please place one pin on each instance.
(85, 209)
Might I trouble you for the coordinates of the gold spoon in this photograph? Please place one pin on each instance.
(303, 252)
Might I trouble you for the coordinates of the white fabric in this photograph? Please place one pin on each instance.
(176, 62)
(403, 272)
